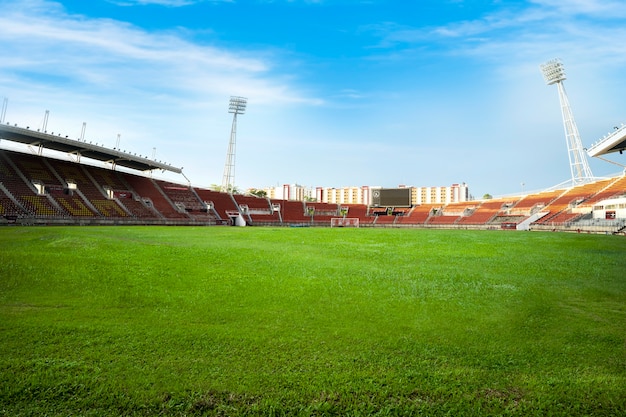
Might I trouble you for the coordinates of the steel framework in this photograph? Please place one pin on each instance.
(237, 106)
(554, 73)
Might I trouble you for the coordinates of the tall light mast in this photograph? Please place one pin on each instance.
(3, 112)
(237, 106)
(554, 73)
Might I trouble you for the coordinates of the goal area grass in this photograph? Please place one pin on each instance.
(179, 321)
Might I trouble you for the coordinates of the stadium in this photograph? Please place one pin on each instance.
(427, 308)
(38, 189)
(35, 189)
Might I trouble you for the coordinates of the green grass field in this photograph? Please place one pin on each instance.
(175, 321)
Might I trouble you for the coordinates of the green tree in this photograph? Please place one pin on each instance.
(217, 187)
(258, 193)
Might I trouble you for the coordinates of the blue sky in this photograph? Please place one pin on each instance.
(340, 92)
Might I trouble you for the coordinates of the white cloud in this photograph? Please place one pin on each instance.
(588, 30)
(597, 8)
(156, 89)
(103, 53)
(166, 3)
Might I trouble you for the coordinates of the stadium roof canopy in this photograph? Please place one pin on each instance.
(613, 142)
(82, 149)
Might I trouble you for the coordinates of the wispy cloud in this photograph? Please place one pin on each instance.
(102, 54)
(597, 8)
(591, 29)
(166, 3)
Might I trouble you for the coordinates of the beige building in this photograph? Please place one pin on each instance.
(456, 193)
(344, 195)
(289, 192)
(363, 194)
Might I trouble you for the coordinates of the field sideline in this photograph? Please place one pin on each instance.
(176, 321)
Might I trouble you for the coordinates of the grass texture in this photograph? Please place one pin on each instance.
(146, 321)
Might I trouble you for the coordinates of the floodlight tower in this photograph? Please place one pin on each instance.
(237, 106)
(554, 73)
(3, 112)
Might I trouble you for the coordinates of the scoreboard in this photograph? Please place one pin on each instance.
(391, 197)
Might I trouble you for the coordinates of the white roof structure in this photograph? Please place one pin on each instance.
(613, 142)
(82, 148)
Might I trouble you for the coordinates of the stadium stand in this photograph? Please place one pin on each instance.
(151, 194)
(293, 212)
(186, 200)
(450, 213)
(615, 188)
(385, 219)
(532, 203)
(41, 171)
(111, 182)
(321, 213)
(41, 190)
(442, 219)
(223, 204)
(73, 173)
(257, 210)
(183, 197)
(8, 206)
(390, 216)
(560, 210)
(488, 212)
(420, 214)
(359, 211)
(23, 190)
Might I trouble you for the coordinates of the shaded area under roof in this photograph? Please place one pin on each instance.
(82, 149)
(614, 142)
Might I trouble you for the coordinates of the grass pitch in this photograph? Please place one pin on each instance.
(261, 321)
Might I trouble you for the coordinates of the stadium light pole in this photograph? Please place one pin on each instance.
(237, 106)
(554, 73)
(3, 112)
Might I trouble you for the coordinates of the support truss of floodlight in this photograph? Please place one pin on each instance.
(554, 73)
(236, 106)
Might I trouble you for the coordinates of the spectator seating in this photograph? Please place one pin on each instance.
(39, 170)
(615, 188)
(389, 215)
(185, 198)
(76, 174)
(223, 203)
(488, 211)
(23, 190)
(562, 212)
(561, 208)
(292, 212)
(258, 210)
(322, 212)
(450, 213)
(359, 211)
(151, 192)
(39, 187)
(532, 203)
(442, 219)
(420, 214)
(8, 208)
(112, 182)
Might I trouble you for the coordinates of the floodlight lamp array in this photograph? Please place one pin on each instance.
(237, 105)
(553, 71)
